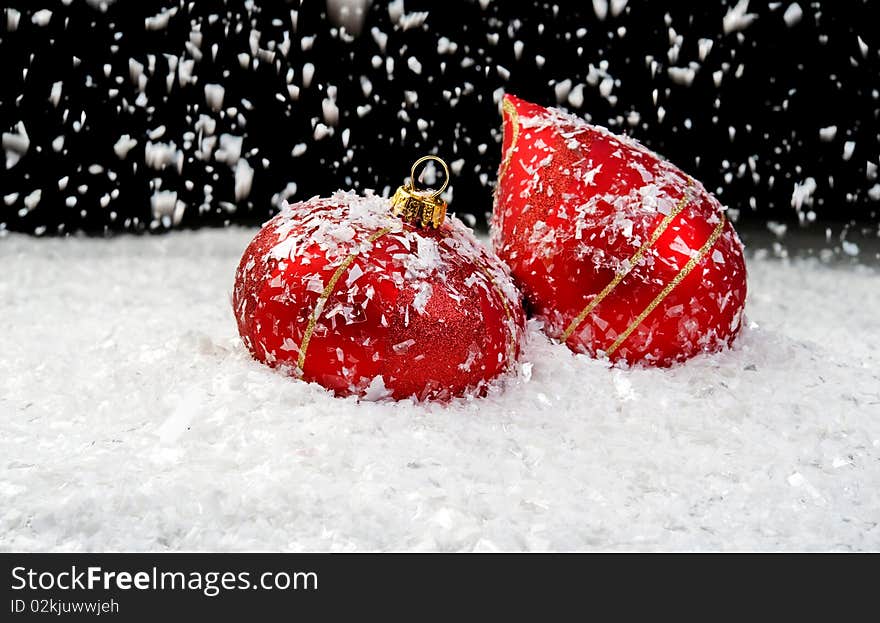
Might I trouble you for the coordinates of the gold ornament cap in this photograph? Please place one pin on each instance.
(423, 208)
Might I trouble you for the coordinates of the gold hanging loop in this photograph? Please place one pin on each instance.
(421, 207)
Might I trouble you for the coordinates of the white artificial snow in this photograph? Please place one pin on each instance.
(308, 73)
(55, 93)
(793, 14)
(160, 155)
(446, 46)
(185, 71)
(32, 199)
(562, 89)
(348, 13)
(423, 295)
(42, 17)
(803, 194)
(329, 108)
(828, 134)
(244, 179)
(160, 20)
(156, 133)
(605, 87)
(123, 146)
(16, 144)
(398, 15)
(682, 75)
(322, 131)
(101, 5)
(166, 206)
(13, 16)
(230, 149)
(705, 46)
(738, 17)
(136, 73)
(850, 248)
(576, 96)
(214, 94)
(132, 418)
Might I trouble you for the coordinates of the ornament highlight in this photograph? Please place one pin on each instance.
(619, 252)
(341, 292)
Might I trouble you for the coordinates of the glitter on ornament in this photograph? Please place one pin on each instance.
(341, 292)
(618, 251)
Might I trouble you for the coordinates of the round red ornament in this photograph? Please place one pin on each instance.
(619, 252)
(342, 292)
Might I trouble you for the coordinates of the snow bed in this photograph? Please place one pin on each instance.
(132, 418)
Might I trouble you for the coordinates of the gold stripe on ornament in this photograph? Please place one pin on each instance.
(510, 109)
(325, 294)
(631, 263)
(684, 272)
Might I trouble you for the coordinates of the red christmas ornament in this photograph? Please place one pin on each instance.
(341, 292)
(618, 251)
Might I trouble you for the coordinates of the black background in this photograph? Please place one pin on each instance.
(793, 81)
